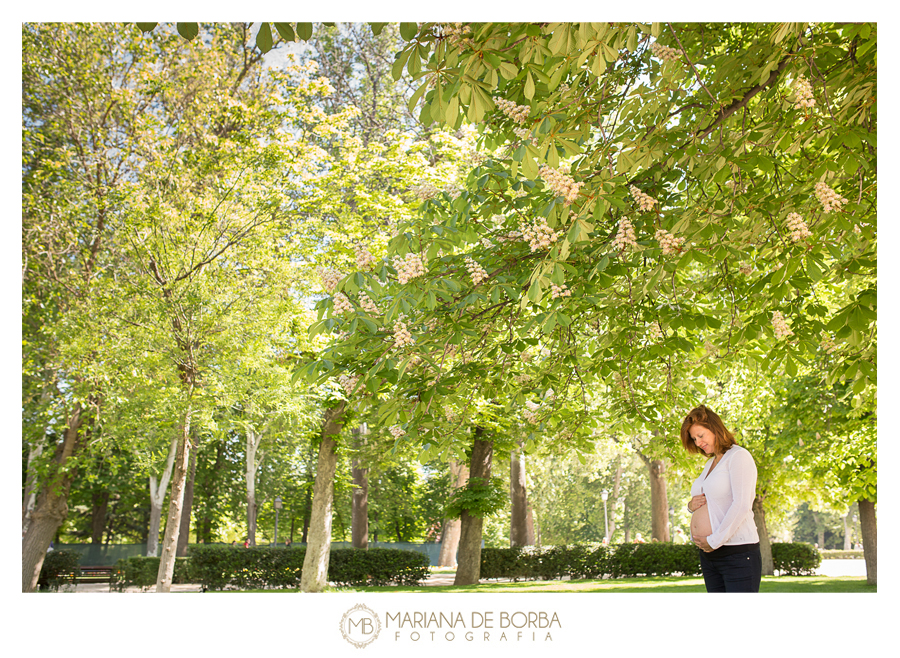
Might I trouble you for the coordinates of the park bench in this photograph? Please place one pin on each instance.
(93, 575)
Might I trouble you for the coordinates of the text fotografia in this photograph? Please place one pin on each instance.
(480, 626)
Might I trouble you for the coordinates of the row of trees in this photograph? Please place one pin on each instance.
(577, 271)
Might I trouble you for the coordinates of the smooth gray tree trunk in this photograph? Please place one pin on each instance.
(869, 530)
(459, 473)
(765, 546)
(521, 531)
(468, 571)
(359, 513)
(176, 502)
(314, 576)
(51, 507)
(157, 497)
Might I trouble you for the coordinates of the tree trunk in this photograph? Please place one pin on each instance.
(157, 496)
(359, 516)
(318, 550)
(614, 498)
(51, 507)
(30, 494)
(869, 533)
(185, 531)
(659, 502)
(765, 546)
(459, 473)
(845, 519)
(176, 502)
(35, 450)
(521, 532)
(468, 572)
(253, 440)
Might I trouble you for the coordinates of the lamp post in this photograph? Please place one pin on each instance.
(277, 507)
(605, 496)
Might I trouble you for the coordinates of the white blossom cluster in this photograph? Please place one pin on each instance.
(518, 194)
(341, 303)
(476, 271)
(803, 93)
(367, 304)
(797, 227)
(518, 113)
(561, 183)
(664, 52)
(408, 267)
(512, 236)
(402, 337)
(526, 356)
(857, 229)
(745, 268)
(397, 431)
(348, 382)
(364, 259)
(655, 331)
(559, 291)
(525, 135)
(538, 234)
(453, 190)
(454, 33)
(780, 326)
(330, 278)
(531, 412)
(731, 185)
(425, 190)
(645, 201)
(827, 344)
(625, 237)
(668, 242)
(829, 198)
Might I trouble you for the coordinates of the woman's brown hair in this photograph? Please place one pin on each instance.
(709, 419)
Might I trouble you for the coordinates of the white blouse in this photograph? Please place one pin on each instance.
(730, 490)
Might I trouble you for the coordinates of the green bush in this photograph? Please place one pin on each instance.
(59, 567)
(143, 571)
(836, 554)
(216, 568)
(796, 559)
(654, 559)
(377, 566)
(545, 563)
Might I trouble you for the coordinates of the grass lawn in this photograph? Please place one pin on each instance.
(770, 585)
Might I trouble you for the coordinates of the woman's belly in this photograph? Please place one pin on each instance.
(700, 525)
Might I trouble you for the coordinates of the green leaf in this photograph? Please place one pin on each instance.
(529, 87)
(377, 28)
(409, 30)
(264, 38)
(304, 31)
(285, 31)
(188, 30)
(146, 27)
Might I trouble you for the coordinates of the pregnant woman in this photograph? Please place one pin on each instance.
(722, 524)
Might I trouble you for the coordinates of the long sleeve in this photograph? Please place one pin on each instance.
(742, 477)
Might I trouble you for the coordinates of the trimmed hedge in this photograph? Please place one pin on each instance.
(142, 572)
(796, 559)
(260, 567)
(59, 567)
(623, 560)
(838, 554)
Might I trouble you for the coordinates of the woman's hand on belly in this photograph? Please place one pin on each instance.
(702, 544)
(697, 502)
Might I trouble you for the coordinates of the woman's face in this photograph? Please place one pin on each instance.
(703, 438)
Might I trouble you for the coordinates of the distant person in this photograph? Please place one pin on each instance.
(246, 543)
(679, 537)
(234, 544)
(638, 539)
(50, 548)
(287, 544)
(722, 501)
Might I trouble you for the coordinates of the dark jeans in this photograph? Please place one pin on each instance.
(738, 572)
